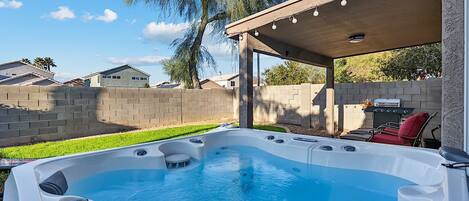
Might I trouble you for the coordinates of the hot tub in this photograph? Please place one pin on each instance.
(242, 164)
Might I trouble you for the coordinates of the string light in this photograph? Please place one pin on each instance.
(240, 37)
(343, 3)
(274, 26)
(293, 19)
(316, 12)
(256, 33)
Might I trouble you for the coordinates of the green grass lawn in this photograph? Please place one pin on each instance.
(80, 145)
(61, 148)
(270, 128)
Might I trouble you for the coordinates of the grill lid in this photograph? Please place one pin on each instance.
(383, 102)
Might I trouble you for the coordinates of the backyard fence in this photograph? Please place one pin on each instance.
(33, 114)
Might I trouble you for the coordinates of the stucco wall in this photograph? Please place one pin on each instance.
(33, 114)
(453, 73)
(298, 103)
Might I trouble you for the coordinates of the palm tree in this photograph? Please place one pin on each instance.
(217, 13)
(26, 60)
(39, 62)
(48, 63)
(44, 63)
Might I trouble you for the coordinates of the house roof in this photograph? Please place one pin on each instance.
(223, 77)
(387, 24)
(30, 83)
(209, 84)
(75, 82)
(30, 65)
(116, 69)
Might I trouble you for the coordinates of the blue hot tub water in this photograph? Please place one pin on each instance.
(238, 174)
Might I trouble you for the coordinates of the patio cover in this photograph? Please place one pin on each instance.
(317, 40)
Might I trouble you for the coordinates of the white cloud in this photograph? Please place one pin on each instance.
(164, 32)
(138, 61)
(11, 4)
(109, 16)
(63, 13)
(218, 49)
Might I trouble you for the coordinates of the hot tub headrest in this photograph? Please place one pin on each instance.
(55, 184)
(455, 155)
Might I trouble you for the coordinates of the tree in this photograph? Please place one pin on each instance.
(293, 73)
(26, 60)
(415, 63)
(177, 70)
(363, 68)
(49, 62)
(44, 63)
(216, 13)
(39, 62)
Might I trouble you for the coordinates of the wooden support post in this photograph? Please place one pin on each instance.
(246, 116)
(329, 114)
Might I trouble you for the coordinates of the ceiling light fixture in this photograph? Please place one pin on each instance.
(356, 38)
(256, 33)
(240, 37)
(274, 26)
(343, 3)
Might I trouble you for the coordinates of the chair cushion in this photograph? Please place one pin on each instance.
(412, 125)
(391, 130)
(389, 139)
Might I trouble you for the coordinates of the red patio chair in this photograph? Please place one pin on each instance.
(408, 133)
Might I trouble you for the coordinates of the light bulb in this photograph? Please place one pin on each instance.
(293, 20)
(240, 37)
(274, 26)
(256, 33)
(316, 12)
(343, 3)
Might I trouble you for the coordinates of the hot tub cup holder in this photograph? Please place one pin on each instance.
(326, 148)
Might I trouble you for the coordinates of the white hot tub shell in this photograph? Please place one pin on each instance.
(434, 182)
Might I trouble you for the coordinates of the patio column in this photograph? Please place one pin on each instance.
(329, 113)
(452, 127)
(245, 82)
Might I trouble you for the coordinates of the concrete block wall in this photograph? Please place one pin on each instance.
(34, 114)
(294, 104)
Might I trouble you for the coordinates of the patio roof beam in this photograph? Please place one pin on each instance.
(277, 12)
(269, 46)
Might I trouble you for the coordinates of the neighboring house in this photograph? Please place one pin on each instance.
(78, 82)
(230, 80)
(19, 73)
(209, 84)
(125, 76)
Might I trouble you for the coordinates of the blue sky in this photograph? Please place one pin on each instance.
(85, 36)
